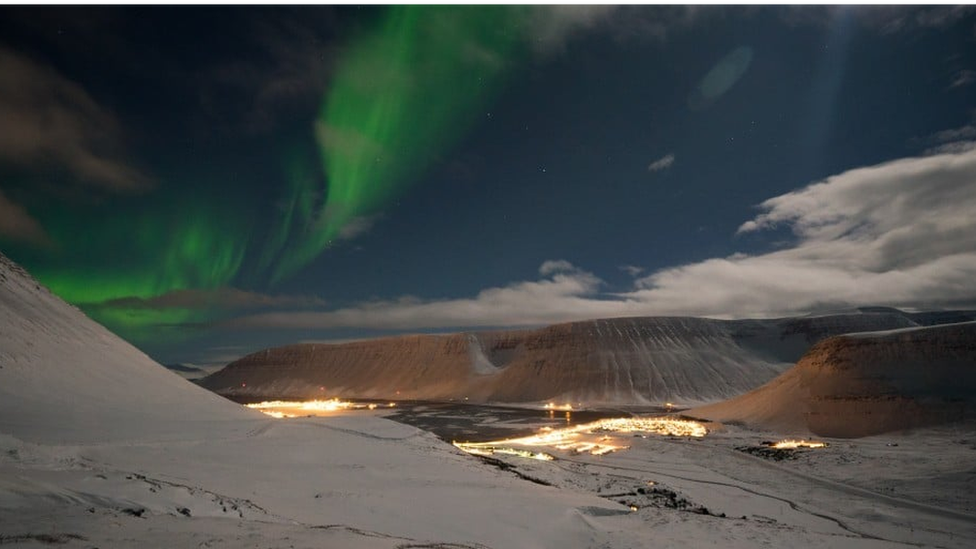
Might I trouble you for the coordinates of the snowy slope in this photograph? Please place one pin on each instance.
(92, 431)
(64, 377)
(629, 360)
(101, 447)
(867, 383)
(89, 422)
(647, 360)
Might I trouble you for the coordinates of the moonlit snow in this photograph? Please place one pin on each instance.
(102, 447)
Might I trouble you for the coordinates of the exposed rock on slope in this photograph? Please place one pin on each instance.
(868, 383)
(64, 377)
(613, 361)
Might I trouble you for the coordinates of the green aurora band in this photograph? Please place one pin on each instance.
(140, 253)
(399, 96)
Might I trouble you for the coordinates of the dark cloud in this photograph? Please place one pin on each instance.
(17, 224)
(241, 70)
(287, 78)
(225, 299)
(657, 19)
(48, 119)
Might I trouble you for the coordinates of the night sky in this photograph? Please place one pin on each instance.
(211, 181)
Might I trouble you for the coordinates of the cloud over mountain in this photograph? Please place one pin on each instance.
(899, 233)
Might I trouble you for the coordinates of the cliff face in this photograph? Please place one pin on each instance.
(614, 361)
(869, 383)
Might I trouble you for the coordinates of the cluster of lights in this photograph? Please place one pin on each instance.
(482, 450)
(285, 408)
(553, 406)
(575, 440)
(793, 444)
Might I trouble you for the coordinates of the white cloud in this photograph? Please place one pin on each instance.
(941, 16)
(556, 266)
(964, 77)
(952, 148)
(956, 134)
(632, 270)
(954, 140)
(662, 163)
(562, 296)
(900, 233)
(552, 26)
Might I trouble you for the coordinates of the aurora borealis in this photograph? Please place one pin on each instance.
(176, 171)
(399, 96)
(401, 92)
(179, 246)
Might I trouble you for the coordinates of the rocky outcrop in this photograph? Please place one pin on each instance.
(865, 384)
(650, 360)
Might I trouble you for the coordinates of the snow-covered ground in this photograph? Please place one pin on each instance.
(362, 481)
(367, 479)
(102, 447)
(851, 493)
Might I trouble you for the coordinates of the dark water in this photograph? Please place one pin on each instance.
(480, 423)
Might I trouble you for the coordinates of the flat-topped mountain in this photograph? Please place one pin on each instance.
(646, 360)
(868, 383)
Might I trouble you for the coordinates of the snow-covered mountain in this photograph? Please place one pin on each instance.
(867, 383)
(64, 377)
(101, 446)
(648, 360)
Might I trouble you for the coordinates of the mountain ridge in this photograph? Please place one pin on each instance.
(866, 383)
(636, 361)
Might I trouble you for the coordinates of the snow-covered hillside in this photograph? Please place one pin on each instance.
(627, 360)
(650, 360)
(101, 447)
(94, 434)
(867, 383)
(65, 378)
